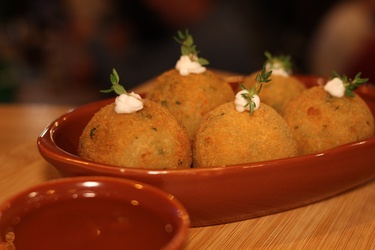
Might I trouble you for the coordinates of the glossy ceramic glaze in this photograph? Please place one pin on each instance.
(226, 194)
(93, 213)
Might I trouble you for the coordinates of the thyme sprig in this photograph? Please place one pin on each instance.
(283, 61)
(116, 86)
(262, 77)
(188, 48)
(351, 84)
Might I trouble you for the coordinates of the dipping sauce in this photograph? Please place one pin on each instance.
(93, 212)
(90, 223)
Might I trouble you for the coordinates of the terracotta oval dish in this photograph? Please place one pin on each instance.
(93, 213)
(227, 194)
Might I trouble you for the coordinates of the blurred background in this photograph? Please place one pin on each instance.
(63, 51)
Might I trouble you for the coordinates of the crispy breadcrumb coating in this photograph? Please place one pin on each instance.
(150, 138)
(227, 137)
(320, 121)
(190, 97)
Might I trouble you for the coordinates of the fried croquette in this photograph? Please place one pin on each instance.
(278, 92)
(150, 138)
(320, 121)
(190, 97)
(227, 137)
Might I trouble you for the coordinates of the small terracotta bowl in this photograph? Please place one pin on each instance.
(93, 213)
(225, 194)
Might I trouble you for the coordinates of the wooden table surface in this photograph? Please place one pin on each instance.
(346, 221)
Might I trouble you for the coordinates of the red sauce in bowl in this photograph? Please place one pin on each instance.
(91, 224)
(93, 213)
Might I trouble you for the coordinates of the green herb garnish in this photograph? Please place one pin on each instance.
(351, 84)
(116, 86)
(262, 77)
(280, 61)
(188, 48)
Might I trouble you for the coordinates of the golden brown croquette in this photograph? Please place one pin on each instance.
(190, 97)
(278, 92)
(226, 137)
(320, 121)
(150, 138)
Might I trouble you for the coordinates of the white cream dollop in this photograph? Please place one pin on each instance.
(240, 102)
(277, 69)
(335, 87)
(186, 66)
(128, 103)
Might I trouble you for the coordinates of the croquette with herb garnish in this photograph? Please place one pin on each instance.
(189, 90)
(145, 135)
(323, 117)
(243, 132)
(284, 86)
(189, 98)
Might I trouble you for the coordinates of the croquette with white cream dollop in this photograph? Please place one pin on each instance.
(190, 90)
(324, 117)
(135, 133)
(284, 86)
(243, 132)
